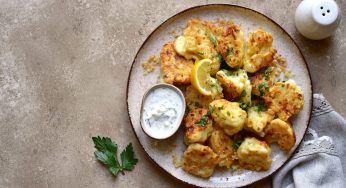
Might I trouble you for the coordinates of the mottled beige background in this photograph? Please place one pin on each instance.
(63, 75)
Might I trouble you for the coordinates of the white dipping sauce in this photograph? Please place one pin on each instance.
(162, 112)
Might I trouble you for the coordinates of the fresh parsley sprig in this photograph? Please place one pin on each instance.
(106, 152)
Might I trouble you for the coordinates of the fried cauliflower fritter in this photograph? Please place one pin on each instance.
(245, 95)
(262, 80)
(194, 99)
(259, 51)
(231, 45)
(257, 120)
(216, 88)
(201, 31)
(254, 154)
(198, 126)
(228, 115)
(175, 68)
(280, 132)
(234, 83)
(199, 160)
(222, 146)
(186, 46)
(284, 99)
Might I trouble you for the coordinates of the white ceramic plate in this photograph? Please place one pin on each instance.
(138, 84)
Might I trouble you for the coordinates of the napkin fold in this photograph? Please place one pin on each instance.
(320, 160)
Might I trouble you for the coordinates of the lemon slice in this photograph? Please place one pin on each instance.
(200, 76)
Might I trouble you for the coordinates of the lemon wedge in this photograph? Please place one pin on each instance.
(200, 76)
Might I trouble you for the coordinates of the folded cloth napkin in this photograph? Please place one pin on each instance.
(320, 160)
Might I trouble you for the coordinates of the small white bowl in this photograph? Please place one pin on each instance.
(179, 119)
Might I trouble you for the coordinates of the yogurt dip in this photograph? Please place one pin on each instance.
(162, 111)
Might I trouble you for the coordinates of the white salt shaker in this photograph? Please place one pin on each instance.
(317, 19)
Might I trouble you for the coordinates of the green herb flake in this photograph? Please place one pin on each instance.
(261, 107)
(228, 73)
(267, 71)
(106, 152)
(237, 143)
(243, 93)
(211, 109)
(220, 108)
(203, 121)
(244, 106)
(213, 39)
(223, 64)
(263, 87)
(228, 113)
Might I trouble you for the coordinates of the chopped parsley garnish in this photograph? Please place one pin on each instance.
(211, 109)
(220, 107)
(237, 143)
(262, 87)
(217, 86)
(223, 64)
(243, 93)
(260, 107)
(229, 73)
(203, 121)
(106, 152)
(267, 71)
(228, 113)
(213, 39)
(244, 106)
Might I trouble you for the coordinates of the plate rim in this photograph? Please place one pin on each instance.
(211, 5)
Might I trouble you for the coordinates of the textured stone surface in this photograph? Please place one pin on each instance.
(63, 75)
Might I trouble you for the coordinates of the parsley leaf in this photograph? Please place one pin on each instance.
(128, 160)
(107, 153)
(213, 39)
(262, 87)
(243, 93)
(260, 107)
(211, 109)
(237, 143)
(223, 64)
(203, 121)
(244, 106)
(267, 71)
